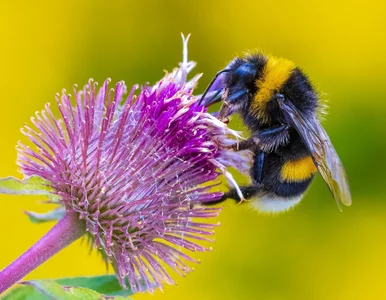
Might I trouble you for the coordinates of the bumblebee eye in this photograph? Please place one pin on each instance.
(246, 72)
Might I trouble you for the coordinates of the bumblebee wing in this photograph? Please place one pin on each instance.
(322, 151)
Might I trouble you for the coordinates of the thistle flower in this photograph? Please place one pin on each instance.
(129, 171)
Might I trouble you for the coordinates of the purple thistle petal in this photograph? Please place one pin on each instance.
(131, 167)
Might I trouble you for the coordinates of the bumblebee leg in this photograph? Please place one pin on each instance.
(248, 192)
(257, 170)
(270, 139)
(266, 139)
(273, 131)
(246, 144)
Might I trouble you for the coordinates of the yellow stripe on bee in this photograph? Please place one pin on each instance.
(275, 73)
(298, 170)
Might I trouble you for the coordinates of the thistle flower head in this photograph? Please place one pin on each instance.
(132, 166)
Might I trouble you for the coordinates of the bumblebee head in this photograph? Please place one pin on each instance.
(240, 86)
(235, 85)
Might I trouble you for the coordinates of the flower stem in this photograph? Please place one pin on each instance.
(66, 231)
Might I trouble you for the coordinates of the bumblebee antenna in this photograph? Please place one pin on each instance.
(211, 83)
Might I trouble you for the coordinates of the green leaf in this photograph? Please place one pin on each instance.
(53, 215)
(98, 287)
(105, 284)
(24, 292)
(33, 185)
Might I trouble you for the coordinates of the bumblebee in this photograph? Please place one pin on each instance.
(279, 105)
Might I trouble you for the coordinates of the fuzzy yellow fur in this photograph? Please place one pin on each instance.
(298, 170)
(275, 74)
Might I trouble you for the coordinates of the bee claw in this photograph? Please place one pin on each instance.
(234, 147)
(242, 199)
(225, 120)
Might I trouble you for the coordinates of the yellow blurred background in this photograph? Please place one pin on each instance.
(312, 252)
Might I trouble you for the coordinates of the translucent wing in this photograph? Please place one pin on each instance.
(322, 151)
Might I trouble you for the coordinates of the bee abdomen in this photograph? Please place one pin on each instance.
(280, 197)
(271, 203)
(295, 177)
(291, 189)
(298, 170)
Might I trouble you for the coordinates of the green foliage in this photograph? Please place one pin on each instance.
(98, 287)
(53, 215)
(33, 185)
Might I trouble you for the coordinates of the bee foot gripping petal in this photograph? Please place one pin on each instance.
(229, 178)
